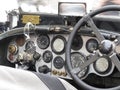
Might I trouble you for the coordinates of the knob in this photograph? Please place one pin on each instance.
(54, 72)
(64, 74)
(59, 73)
(44, 69)
(36, 56)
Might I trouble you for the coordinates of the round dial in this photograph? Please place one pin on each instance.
(47, 56)
(30, 47)
(20, 40)
(91, 45)
(58, 44)
(12, 48)
(58, 62)
(78, 59)
(43, 41)
(77, 42)
(103, 65)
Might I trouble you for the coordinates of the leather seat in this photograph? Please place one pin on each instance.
(16, 79)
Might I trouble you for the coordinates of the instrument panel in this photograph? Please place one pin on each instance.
(46, 52)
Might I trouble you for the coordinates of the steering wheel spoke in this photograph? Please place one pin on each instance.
(92, 59)
(76, 70)
(115, 61)
(95, 30)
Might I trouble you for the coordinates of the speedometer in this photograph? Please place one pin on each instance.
(78, 59)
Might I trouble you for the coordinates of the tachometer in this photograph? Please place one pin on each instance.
(78, 59)
(43, 41)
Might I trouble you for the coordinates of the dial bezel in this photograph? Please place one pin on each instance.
(52, 47)
(48, 41)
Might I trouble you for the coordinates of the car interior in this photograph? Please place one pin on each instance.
(74, 44)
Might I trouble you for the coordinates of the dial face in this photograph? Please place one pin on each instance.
(30, 47)
(102, 65)
(91, 45)
(78, 59)
(12, 48)
(20, 40)
(47, 56)
(58, 44)
(58, 62)
(77, 42)
(43, 41)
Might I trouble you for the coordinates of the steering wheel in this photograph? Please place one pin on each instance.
(107, 47)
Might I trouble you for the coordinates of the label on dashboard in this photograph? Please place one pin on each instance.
(34, 19)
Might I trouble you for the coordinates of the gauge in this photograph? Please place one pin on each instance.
(58, 44)
(58, 62)
(47, 56)
(77, 43)
(91, 45)
(12, 48)
(78, 59)
(30, 47)
(20, 40)
(103, 65)
(43, 41)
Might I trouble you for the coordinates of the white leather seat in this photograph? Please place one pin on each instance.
(16, 79)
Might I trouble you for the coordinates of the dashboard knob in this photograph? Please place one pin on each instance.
(36, 56)
(54, 72)
(44, 69)
(59, 73)
(64, 74)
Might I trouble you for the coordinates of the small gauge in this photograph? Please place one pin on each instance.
(43, 41)
(78, 59)
(77, 42)
(58, 62)
(30, 47)
(91, 45)
(12, 48)
(58, 44)
(47, 56)
(20, 40)
(103, 65)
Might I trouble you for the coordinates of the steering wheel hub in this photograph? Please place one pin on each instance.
(106, 47)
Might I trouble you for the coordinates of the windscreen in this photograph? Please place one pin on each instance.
(100, 3)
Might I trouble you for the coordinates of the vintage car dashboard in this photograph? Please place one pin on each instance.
(43, 48)
(48, 53)
(45, 53)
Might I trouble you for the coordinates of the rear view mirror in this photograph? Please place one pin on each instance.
(71, 8)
